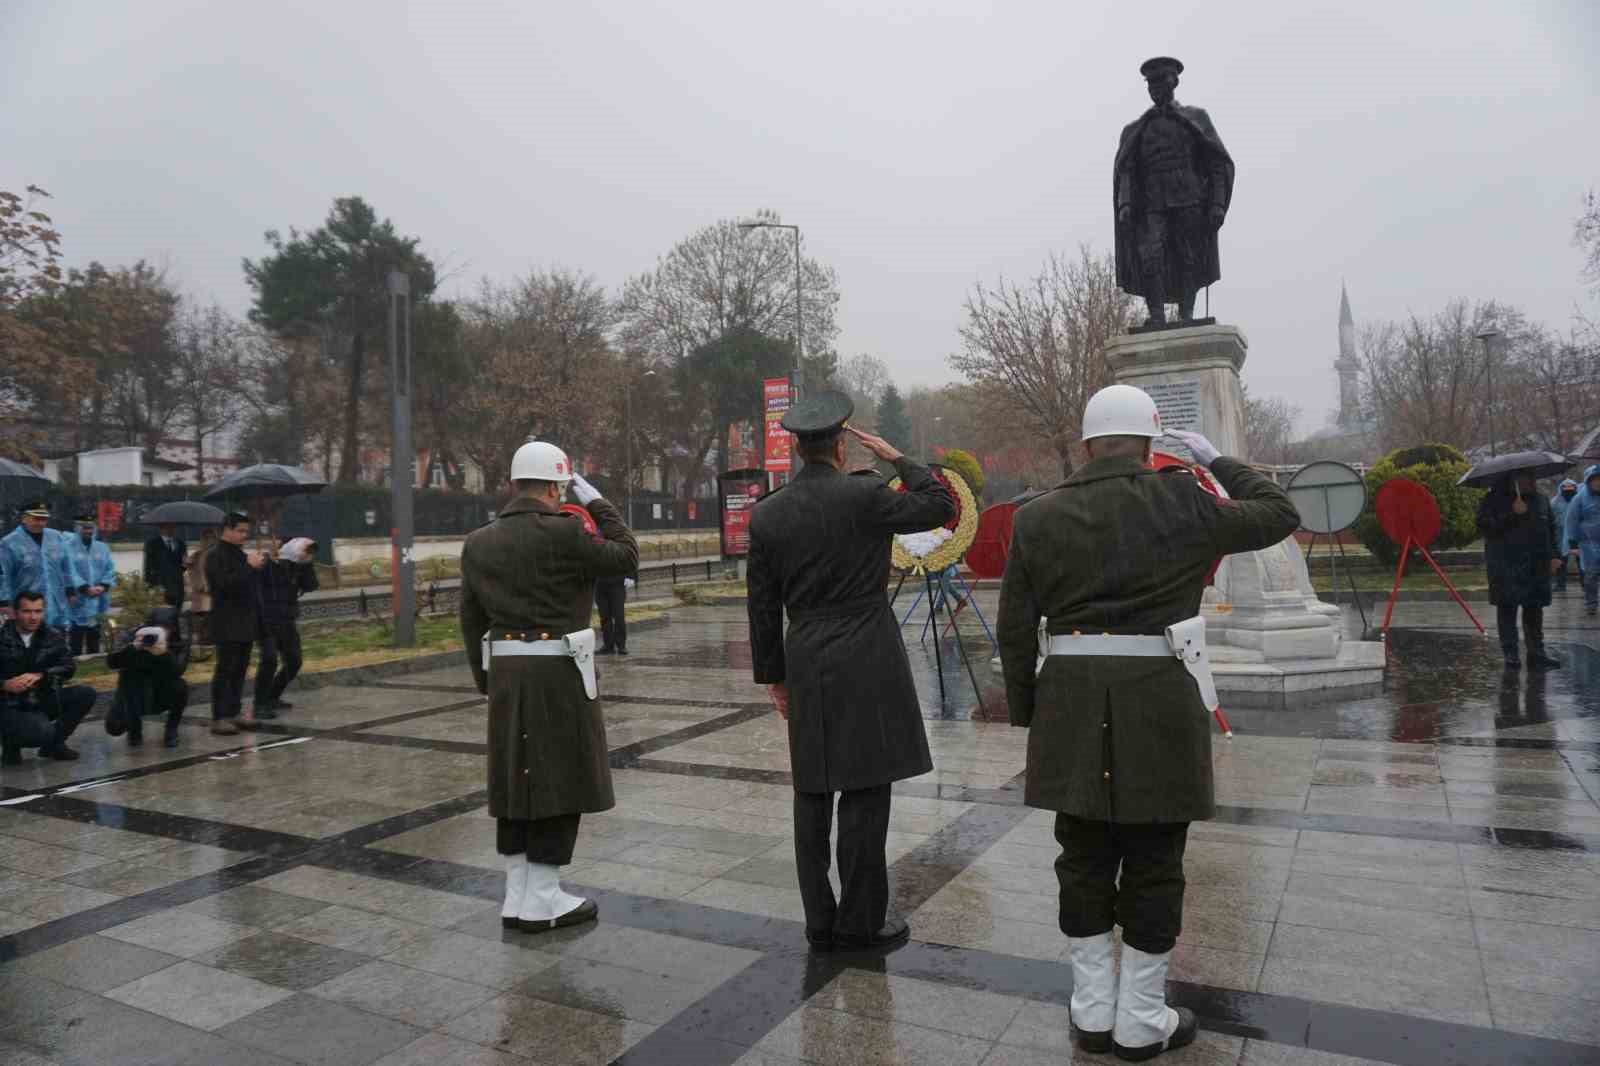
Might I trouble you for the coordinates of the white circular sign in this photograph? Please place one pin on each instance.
(1330, 496)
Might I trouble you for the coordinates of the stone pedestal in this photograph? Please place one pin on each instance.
(1268, 630)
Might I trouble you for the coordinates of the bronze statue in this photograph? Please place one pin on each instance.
(1172, 183)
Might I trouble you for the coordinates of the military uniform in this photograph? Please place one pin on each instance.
(529, 575)
(1120, 746)
(820, 547)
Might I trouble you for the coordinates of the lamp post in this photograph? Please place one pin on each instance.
(799, 342)
(1487, 336)
(627, 440)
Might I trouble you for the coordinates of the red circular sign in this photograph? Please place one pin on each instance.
(1407, 511)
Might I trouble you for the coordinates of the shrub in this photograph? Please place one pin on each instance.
(1437, 467)
(969, 468)
(131, 602)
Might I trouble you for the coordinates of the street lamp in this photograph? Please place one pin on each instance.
(627, 440)
(1487, 336)
(799, 343)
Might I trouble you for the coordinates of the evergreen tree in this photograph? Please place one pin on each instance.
(894, 425)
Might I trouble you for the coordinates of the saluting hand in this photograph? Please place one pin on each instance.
(876, 445)
(779, 695)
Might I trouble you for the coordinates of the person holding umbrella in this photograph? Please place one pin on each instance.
(1582, 536)
(1522, 553)
(92, 559)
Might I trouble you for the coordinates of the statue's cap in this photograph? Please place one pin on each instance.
(819, 416)
(1160, 65)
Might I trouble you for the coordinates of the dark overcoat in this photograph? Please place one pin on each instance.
(163, 569)
(529, 575)
(235, 594)
(820, 547)
(1119, 548)
(1518, 549)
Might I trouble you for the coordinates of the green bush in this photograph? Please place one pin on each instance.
(968, 467)
(1437, 467)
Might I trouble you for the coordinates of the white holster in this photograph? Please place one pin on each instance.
(1186, 640)
(579, 647)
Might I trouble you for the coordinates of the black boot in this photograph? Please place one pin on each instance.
(169, 735)
(1513, 660)
(1539, 659)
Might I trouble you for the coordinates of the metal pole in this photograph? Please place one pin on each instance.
(799, 339)
(1488, 371)
(402, 465)
(627, 436)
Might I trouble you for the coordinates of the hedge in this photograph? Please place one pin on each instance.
(1437, 467)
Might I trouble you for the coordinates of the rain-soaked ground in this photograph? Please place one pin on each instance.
(1406, 877)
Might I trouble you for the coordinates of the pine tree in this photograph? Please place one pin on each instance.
(894, 425)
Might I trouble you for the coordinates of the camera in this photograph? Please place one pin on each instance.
(148, 640)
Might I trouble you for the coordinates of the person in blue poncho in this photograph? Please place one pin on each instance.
(1582, 536)
(35, 557)
(1558, 508)
(91, 557)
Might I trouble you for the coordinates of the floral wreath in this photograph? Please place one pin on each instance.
(936, 549)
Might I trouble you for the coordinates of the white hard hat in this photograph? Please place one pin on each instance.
(1121, 411)
(540, 460)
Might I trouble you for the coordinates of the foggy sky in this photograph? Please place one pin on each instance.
(1418, 151)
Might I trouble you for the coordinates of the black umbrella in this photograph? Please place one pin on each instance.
(1488, 473)
(21, 477)
(182, 513)
(267, 479)
(1589, 446)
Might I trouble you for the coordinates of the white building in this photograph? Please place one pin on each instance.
(128, 466)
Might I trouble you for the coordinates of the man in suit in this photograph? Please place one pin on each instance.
(1119, 745)
(163, 563)
(819, 548)
(235, 621)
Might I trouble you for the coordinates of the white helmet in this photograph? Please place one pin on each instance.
(540, 460)
(1121, 411)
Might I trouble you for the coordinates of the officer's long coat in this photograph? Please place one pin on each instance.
(528, 574)
(820, 547)
(1120, 548)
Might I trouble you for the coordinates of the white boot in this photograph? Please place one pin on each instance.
(1094, 991)
(1146, 1026)
(545, 906)
(516, 884)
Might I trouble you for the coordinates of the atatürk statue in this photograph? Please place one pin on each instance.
(1172, 183)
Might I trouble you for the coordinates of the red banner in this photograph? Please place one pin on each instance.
(738, 498)
(775, 403)
(108, 516)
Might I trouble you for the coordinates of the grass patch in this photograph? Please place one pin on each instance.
(709, 593)
(1426, 581)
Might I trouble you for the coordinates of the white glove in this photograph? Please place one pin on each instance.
(627, 583)
(585, 492)
(1203, 450)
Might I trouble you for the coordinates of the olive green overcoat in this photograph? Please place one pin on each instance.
(529, 575)
(1119, 548)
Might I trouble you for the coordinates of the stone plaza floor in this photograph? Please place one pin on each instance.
(1412, 877)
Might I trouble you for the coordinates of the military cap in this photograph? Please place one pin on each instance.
(819, 416)
(1159, 66)
(86, 519)
(36, 509)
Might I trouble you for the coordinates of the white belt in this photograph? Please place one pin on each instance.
(1186, 641)
(579, 647)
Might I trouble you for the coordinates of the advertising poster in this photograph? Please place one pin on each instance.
(775, 397)
(739, 496)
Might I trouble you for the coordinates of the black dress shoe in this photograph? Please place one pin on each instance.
(607, 650)
(1188, 1026)
(1540, 659)
(1093, 1042)
(265, 714)
(819, 940)
(169, 738)
(586, 911)
(60, 753)
(622, 651)
(894, 931)
(282, 705)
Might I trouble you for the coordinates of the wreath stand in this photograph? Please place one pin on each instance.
(936, 599)
(1409, 515)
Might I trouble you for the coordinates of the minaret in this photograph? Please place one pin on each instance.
(1348, 366)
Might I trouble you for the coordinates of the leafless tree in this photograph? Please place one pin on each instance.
(1269, 423)
(1039, 348)
(209, 365)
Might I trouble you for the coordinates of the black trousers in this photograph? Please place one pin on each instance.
(278, 639)
(863, 905)
(1532, 625)
(609, 596)
(543, 840)
(176, 700)
(227, 684)
(34, 728)
(80, 638)
(1147, 901)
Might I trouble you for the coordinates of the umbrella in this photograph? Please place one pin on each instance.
(182, 513)
(267, 479)
(1589, 446)
(19, 479)
(1486, 474)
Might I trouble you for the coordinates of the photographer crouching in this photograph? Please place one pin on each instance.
(150, 679)
(37, 708)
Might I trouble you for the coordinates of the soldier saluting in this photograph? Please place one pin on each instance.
(527, 587)
(819, 547)
(1119, 745)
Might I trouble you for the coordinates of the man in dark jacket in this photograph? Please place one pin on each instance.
(1120, 737)
(37, 708)
(1522, 551)
(527, 589)
(283, 580)
(150, 680)
(235, 621)
(611, 599)
(163, 564)
(820, 547)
